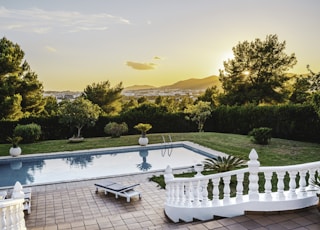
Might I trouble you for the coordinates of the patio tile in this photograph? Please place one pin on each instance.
(76, 206)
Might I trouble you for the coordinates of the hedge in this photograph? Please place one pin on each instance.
(295, 122)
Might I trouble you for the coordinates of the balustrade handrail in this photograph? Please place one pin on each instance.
(10, 202)
(210, 176)
(306, 166)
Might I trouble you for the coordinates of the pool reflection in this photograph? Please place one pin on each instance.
(81, 161)
(22, 172)
(144, 165)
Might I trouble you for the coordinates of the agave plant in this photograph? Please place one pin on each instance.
(223, 164)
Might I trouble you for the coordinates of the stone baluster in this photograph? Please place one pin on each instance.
(204, 186)
(226, 189)
(302, 182)
(268, 186)
(176, 193)
(182, 194)
(22, 224)
(189, 198)
(168, 193)
(196, 193)
(3, 221)
(292, 184)
(239, 187)
(10, 215)
(215, 192)
(253, 166)
(312, 173)
(280, 185)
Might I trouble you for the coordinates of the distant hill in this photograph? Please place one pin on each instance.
(189, 84)
(139, 87)
(195, 84)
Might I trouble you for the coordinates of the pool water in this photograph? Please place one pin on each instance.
(40, 170)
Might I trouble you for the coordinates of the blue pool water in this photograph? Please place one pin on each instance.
(94, 164)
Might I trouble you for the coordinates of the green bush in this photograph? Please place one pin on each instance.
(29, 132)
(115, 130)
(261, 135)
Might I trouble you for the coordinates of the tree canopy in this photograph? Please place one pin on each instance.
(79, 113)
(257, 73)
(105, 96)
(20, 90)
(199, 113)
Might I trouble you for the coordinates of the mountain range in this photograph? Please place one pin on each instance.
(189, 84)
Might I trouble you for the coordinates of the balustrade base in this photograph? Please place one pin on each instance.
(235, 208)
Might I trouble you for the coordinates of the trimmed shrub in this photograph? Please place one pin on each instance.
(261, 135)
(29, 132)
(115, 130)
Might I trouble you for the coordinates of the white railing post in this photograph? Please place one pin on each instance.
(168, 176)
(226, 189)
(195, 191)
(253, 166)
(292, 184)
(239, 187)
(312, 173)
(188, 194)
(3, 221)
(268, 186)
(215, 192)
(181, 194)
(303, 182)
(204, 186)
(280, 185)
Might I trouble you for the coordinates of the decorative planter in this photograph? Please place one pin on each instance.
(76, 139)
(143, 141)
(198, 168)
(15, 151)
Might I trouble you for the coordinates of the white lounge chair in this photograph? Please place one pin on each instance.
(118, 189)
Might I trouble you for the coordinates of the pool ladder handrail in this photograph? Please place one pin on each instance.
(163, 150)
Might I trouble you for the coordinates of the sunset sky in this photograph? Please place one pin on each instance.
(73, 43)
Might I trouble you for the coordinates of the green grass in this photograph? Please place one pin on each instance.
(278, 152)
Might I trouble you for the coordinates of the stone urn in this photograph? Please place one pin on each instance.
(15, 151)
(143, 141)
(198, 168)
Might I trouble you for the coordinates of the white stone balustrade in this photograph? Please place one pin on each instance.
(11, 214)
(11, 210)
(187, 198)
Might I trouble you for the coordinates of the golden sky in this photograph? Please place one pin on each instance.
(72, 44)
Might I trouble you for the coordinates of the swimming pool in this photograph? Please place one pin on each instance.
(79, 165)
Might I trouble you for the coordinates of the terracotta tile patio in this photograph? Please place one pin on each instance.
(76, 206)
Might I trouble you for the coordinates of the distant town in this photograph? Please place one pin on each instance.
(148, 93)
(187, 88)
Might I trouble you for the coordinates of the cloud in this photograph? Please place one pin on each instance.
(157, 58)
(43, 21)
(141, 66)
(50, 49)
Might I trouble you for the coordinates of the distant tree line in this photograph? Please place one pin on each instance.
(256, 91)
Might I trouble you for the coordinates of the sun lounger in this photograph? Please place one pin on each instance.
(117, 189)
(27, 199)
